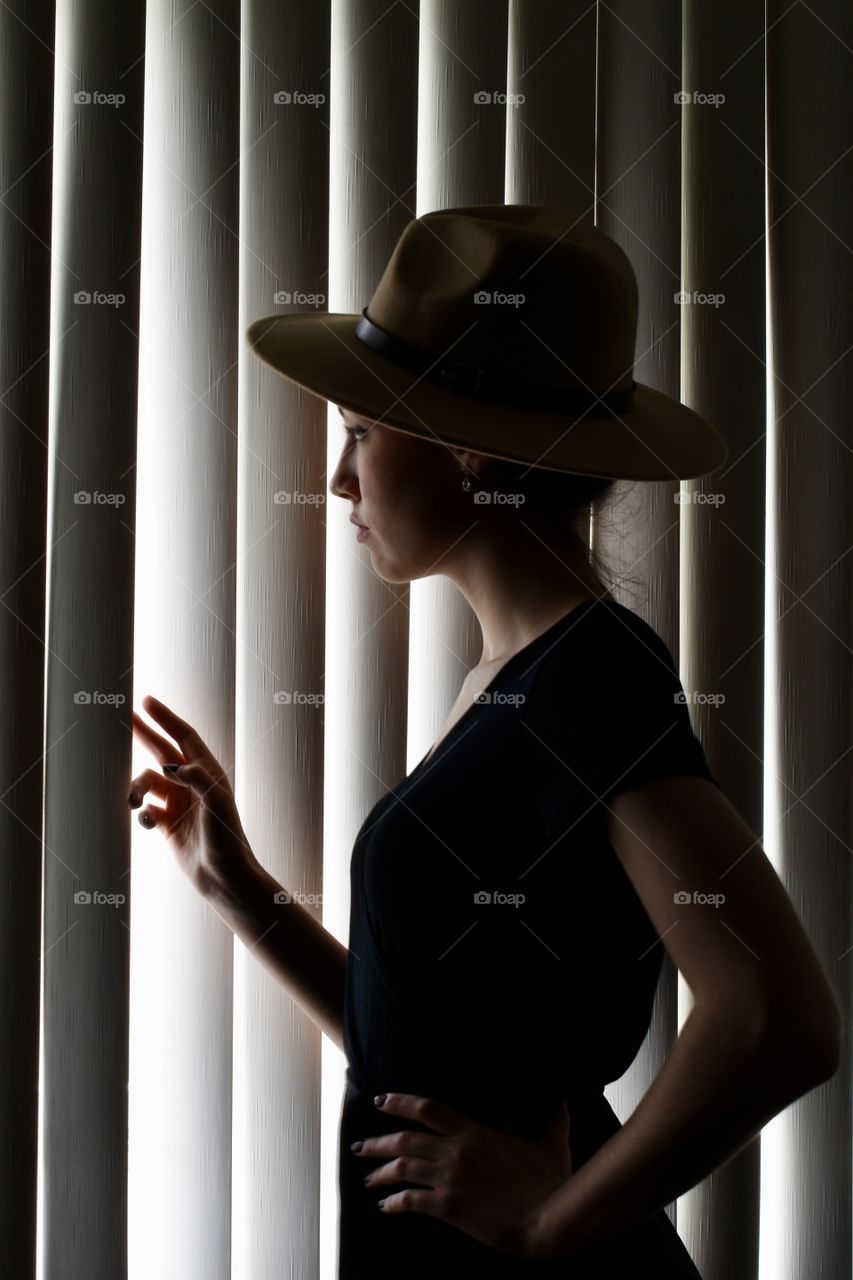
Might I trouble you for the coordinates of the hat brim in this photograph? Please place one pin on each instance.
(659, 439)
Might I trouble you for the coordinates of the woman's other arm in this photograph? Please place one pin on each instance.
(765, 1026)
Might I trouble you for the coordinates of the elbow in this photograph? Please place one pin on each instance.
(809, 1044)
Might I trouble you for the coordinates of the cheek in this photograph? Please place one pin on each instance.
(410, 489)
(416, 500)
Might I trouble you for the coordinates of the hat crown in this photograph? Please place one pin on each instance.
(525, 290)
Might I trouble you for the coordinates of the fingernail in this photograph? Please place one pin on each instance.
(379, 1100)
(381, 1203)
(145, 819)
(170, 768)
(356, 1146)
(134, 800)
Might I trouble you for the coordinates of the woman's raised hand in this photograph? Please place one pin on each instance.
(199, 817)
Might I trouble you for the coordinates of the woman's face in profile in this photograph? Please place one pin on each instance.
(407, 491)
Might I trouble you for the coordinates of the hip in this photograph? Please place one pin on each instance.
(416, 1244)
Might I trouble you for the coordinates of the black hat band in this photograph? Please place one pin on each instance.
(469, 380)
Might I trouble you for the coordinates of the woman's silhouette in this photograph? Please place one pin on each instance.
(512, 898)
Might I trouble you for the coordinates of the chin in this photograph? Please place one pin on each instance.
(395, 570)
(393, 574)
(400, 569)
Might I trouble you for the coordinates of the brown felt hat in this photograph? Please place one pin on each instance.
(508, 330)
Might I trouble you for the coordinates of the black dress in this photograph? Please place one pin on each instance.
(500, 958)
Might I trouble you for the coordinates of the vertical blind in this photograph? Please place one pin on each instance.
(183, 1104)
(171, 172)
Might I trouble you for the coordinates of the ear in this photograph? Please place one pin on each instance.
(468, 458)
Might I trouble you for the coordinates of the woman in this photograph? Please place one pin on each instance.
(511, 898)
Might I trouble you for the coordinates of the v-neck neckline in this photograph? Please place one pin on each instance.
(434, 750)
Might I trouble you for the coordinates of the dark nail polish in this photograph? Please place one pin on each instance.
(380, 1099)
(356, 1146)
(170, 768)
(145, 819)
(134, 800)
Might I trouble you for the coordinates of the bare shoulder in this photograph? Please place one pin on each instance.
(720, 908)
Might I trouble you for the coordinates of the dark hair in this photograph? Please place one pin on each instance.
(557, 505)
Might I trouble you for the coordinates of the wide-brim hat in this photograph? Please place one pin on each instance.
(508, 330)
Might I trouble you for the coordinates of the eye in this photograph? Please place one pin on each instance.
(357, 433)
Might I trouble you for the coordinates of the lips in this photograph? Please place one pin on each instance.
(357, 523)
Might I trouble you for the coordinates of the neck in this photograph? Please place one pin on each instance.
(519, 588)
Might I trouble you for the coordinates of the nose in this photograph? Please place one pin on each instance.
(344, 482)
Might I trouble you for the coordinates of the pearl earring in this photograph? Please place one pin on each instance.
(466, 482)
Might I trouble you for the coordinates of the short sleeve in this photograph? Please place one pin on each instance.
(606, 711)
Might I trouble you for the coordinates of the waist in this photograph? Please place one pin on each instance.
(526, 1114)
